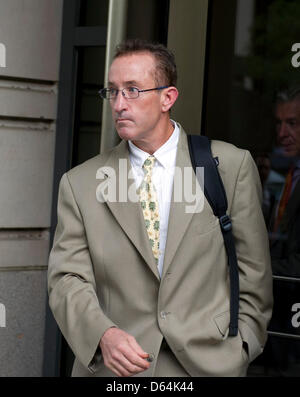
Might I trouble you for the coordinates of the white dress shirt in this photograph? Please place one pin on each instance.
(162, 177)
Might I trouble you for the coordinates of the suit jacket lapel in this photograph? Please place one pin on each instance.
(127, 213)
(179, 218)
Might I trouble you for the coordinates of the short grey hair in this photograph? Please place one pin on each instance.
(288, 95)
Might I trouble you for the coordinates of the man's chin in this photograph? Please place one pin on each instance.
(124, 133)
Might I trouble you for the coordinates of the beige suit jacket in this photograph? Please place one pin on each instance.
(102, 271)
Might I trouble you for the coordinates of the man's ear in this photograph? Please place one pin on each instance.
(169, 97)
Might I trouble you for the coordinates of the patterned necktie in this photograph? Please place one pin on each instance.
(149, 203)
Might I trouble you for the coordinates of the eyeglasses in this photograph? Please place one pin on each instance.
(129, 92)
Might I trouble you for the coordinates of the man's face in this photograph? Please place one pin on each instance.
(135, 119)
(288, 127)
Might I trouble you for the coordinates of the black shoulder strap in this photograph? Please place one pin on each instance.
(201, 156)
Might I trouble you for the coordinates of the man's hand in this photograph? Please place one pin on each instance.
(122, 354)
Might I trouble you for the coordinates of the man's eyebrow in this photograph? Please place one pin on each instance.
(286, 118)
(126, 83)
(131, 82)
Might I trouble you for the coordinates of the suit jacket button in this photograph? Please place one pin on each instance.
(151, 357)
(163, 315)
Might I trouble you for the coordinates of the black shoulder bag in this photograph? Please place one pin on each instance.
(201, 156)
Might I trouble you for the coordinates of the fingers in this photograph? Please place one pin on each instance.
(127, 362)
(123, 367)
(137, 348)
(122, 354)
(132, 361)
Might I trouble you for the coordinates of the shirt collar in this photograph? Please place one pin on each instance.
(162, 154)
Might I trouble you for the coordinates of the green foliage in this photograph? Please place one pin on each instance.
(273, 35)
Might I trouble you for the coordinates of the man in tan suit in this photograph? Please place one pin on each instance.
(133, 299)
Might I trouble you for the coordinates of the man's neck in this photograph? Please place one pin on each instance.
(153, 144)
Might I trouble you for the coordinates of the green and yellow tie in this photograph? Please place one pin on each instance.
(149, 203)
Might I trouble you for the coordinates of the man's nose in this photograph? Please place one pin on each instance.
(283, 130)
(119, 103)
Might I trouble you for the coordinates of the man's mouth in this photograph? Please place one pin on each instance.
(119, 120)
(288, 147)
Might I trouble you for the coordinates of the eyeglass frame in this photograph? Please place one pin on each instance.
(138, 91)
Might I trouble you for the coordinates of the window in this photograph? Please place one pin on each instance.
(249, 61)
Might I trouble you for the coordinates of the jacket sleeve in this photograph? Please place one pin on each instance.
(71, 283)
(253, 254)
